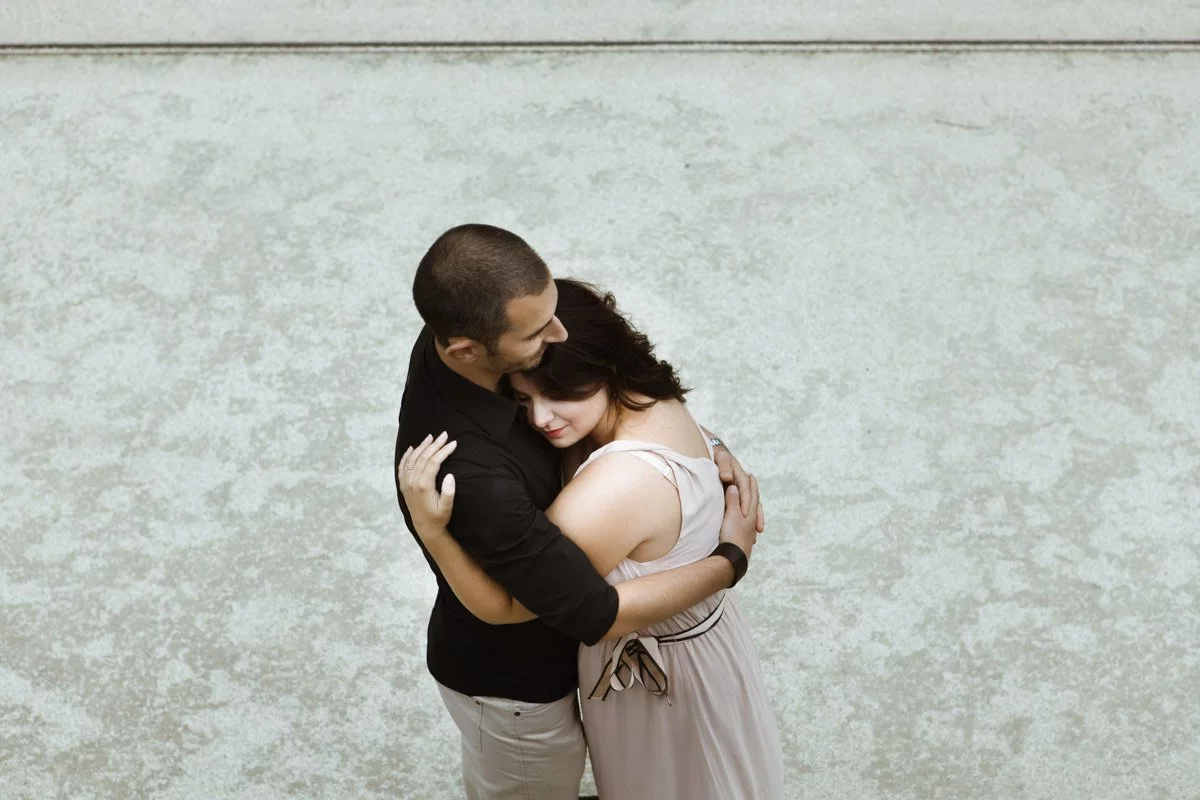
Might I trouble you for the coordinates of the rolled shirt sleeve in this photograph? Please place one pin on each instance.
(497, 523)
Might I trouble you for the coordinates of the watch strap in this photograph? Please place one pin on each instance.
(736, 557)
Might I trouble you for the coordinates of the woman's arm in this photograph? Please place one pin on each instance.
(482, 596)
(430, 512)
(614, 506)
(607, 512)
(643, 602)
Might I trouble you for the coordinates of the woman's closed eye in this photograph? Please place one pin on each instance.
(523, 399)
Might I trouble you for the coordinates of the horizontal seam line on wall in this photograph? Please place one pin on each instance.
(710, 45)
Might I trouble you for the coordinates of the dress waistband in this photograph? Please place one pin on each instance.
(636, 658)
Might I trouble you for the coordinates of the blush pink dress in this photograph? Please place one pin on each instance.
(679, 709)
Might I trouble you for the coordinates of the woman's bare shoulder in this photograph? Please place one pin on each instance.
(619, 479)
(670, 424)
(614, 506)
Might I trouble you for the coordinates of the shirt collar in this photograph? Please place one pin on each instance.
(491, 411)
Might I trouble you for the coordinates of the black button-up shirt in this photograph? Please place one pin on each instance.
(506, 475)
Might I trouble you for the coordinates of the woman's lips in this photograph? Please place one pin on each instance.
(556, 432)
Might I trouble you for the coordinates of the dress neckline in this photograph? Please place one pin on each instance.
(648, 445)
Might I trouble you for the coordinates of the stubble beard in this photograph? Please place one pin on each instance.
(512, 367)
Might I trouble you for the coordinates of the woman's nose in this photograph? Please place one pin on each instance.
(540, 414)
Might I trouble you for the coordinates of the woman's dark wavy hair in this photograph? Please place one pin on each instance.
(602, 351)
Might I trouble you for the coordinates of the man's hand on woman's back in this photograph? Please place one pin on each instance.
(739, 527)
(732, 474)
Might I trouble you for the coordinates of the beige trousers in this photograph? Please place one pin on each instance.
(512, 750)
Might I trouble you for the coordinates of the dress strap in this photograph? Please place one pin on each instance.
(656, 461)
(656, 455)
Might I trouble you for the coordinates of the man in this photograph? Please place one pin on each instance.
(488, 301)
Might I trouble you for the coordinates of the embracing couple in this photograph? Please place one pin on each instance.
(575, 516)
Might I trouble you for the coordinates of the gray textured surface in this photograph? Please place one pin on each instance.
(945, 306)
(39, 21)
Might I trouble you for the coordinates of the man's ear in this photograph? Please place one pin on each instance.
(464, 350)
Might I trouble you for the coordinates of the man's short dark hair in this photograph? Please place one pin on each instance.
(468, 277)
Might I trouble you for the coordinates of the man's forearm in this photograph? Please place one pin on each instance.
(654, 598)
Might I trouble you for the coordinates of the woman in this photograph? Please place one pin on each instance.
(678, 709)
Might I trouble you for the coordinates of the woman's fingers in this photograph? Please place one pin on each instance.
(419, 467)
(412, 455)
(430, 446)
(408, 462)
(426, 474)
(439, 457)
(419, 451)
(446, 501)
(402, 467)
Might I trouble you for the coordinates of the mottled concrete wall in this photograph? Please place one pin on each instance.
(946, 306)
(376, 20)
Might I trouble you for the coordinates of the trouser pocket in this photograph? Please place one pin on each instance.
(467, 714)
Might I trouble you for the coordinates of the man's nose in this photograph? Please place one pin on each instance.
(556, 332)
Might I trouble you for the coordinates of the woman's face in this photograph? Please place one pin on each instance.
(563, 422)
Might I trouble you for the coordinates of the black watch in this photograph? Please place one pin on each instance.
(736, 556)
